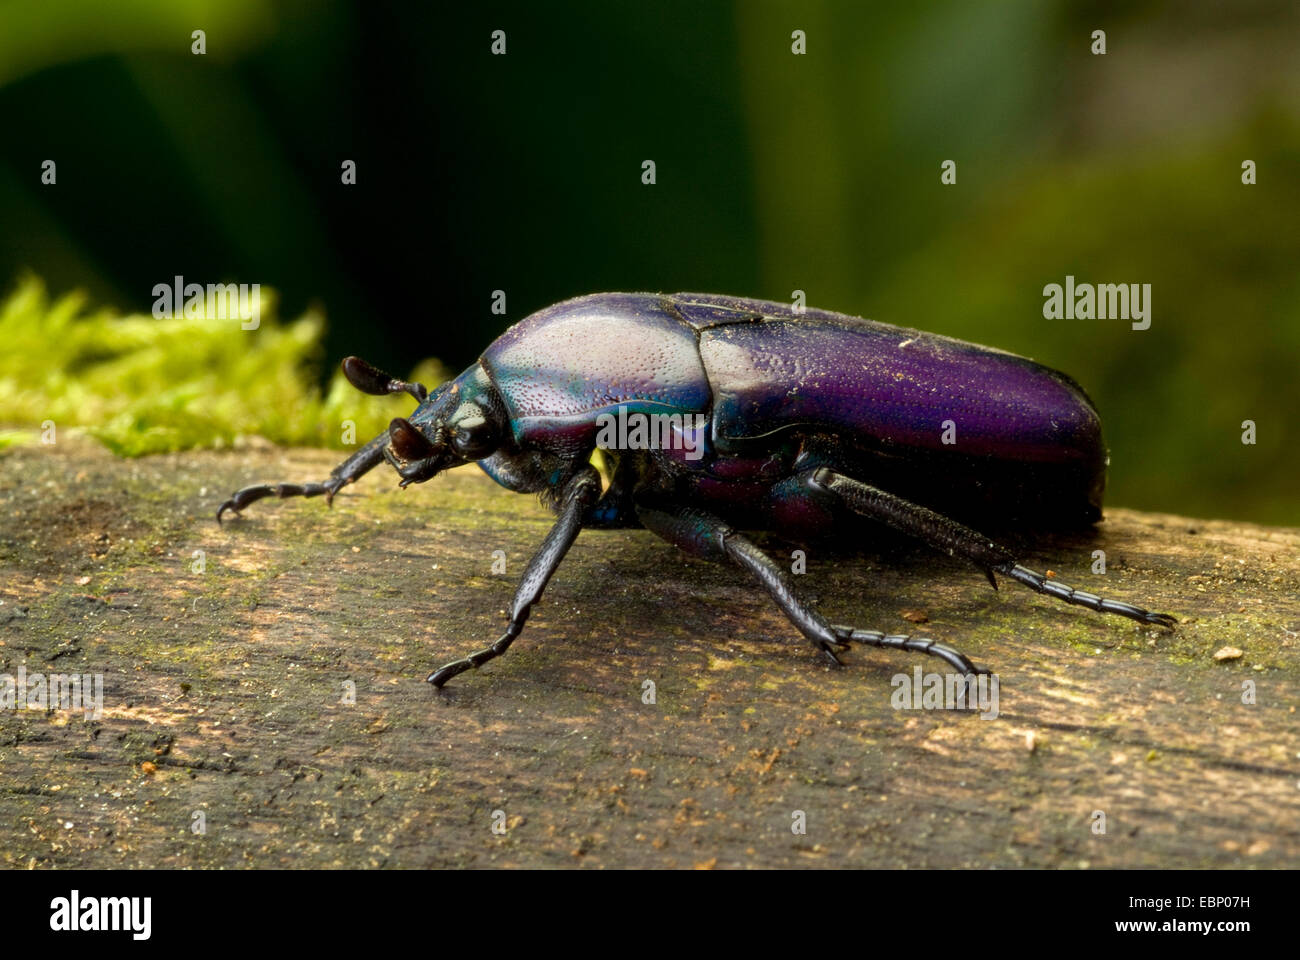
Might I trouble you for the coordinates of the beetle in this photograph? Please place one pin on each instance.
(779, 419)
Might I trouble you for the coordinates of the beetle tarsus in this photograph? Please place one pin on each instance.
(242, 498)
(966, 670)
(902, 641)
(346, 472)
(1068, 594)
(477, 658)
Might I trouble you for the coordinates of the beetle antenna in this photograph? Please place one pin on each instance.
(408, 442)
(372, 380)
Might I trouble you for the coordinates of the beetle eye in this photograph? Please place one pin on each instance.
(473, 438)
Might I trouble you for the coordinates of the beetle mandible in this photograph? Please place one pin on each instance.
(786, 421)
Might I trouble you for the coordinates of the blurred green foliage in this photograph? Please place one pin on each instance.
(1224, 341)
(143, 385)
(775, 172)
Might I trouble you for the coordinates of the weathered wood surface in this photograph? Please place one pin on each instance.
(223, 689)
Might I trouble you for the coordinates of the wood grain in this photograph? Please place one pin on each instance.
(223, 690)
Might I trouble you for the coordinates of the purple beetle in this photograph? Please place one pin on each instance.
(727, 414)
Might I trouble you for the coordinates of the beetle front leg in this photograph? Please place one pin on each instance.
(578, 494)
(346, 472)
(958, 540)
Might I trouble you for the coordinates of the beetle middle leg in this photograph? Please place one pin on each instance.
(577, 496)
(958, 540)
(702, 534)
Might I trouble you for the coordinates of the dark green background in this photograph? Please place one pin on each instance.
(775, 172)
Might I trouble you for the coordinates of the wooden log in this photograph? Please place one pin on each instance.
(227, 654)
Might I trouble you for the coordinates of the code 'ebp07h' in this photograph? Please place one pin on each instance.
(806, 417)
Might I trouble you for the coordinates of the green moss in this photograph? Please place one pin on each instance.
(143, 385)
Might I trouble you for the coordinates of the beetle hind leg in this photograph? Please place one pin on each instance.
(958, 540)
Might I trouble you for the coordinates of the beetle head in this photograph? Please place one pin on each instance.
(461, 421)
